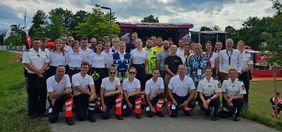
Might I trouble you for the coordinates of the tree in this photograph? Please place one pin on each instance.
(96, 24)
(251, 30)
(39, 22)
(273, 38)
(2, 38)
(61, 16)
(205, 28)
(277, 6)
(17, 36)
(56, 28)
(150, 19)
(78, 17)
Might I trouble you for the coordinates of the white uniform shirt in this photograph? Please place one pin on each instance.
(212, 58)
(246, 59)
(54, 86)
(180, 52)
(109, 58)
(84, 82)
(138, 57)
(121, 55)
(37, 59)
(179, 87)
(46, 51)
(86, 53)
(57, 59)
(151, 87)
(224, 60)
(97, 60)
(233, 88)
(110, 86)
(75, 59)
(130, 87)
(208, 88)
(67, 48)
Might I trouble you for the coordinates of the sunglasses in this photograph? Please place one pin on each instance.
(112, 72)
(132, 72)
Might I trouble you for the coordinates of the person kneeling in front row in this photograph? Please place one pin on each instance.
(155, 97)
(84, 94)
(181, 90)
(59, 90)
(233, 93)
(131, 91)
(111, 95)
(209, 91)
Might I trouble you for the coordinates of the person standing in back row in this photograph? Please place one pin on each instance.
(197, 64)
(36, 63)
(171, 64)
(246, 65)
(139, 59)
(228, 58)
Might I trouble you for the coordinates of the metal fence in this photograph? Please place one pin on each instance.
(10, 47)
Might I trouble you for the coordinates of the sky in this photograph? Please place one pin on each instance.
(198, 12)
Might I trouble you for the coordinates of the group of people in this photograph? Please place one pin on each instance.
(133, 77)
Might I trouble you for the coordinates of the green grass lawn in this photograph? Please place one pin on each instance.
(13, 110)
(260, 107)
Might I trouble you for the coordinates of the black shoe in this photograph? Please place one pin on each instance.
(32, 116)
(160, 114)
(97, 111)
(119, 117)
(211, 111)
(43, 115)
(150, 114)
(138, 116)
(236, 118)
(187, 113)
(69, 121)
(213, 118)
(92, 118)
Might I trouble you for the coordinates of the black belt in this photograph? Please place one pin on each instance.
(73, 68)
(138, 65)
(98, 68)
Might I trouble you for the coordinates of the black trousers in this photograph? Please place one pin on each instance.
(154, 101)
(37, 93)
(179, 101)
(83, 108)
(141, 74)
(73, 71)
(98, 81)
(245, 77)
(235, 109)
(110, 102)
(57, 107)
(126, 111)
(51, 71)
(213, 103)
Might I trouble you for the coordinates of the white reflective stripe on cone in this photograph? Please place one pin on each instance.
(68, 108)
(68, 103)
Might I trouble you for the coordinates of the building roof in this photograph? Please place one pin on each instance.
(155, 25)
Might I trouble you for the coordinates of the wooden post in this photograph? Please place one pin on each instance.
(275, 89)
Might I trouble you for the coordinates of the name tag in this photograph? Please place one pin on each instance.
(148, 108)
(199, 72)
(173, 107)
(50, 110)
(124, 107)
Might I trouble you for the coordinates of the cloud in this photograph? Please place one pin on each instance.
(198, 12)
